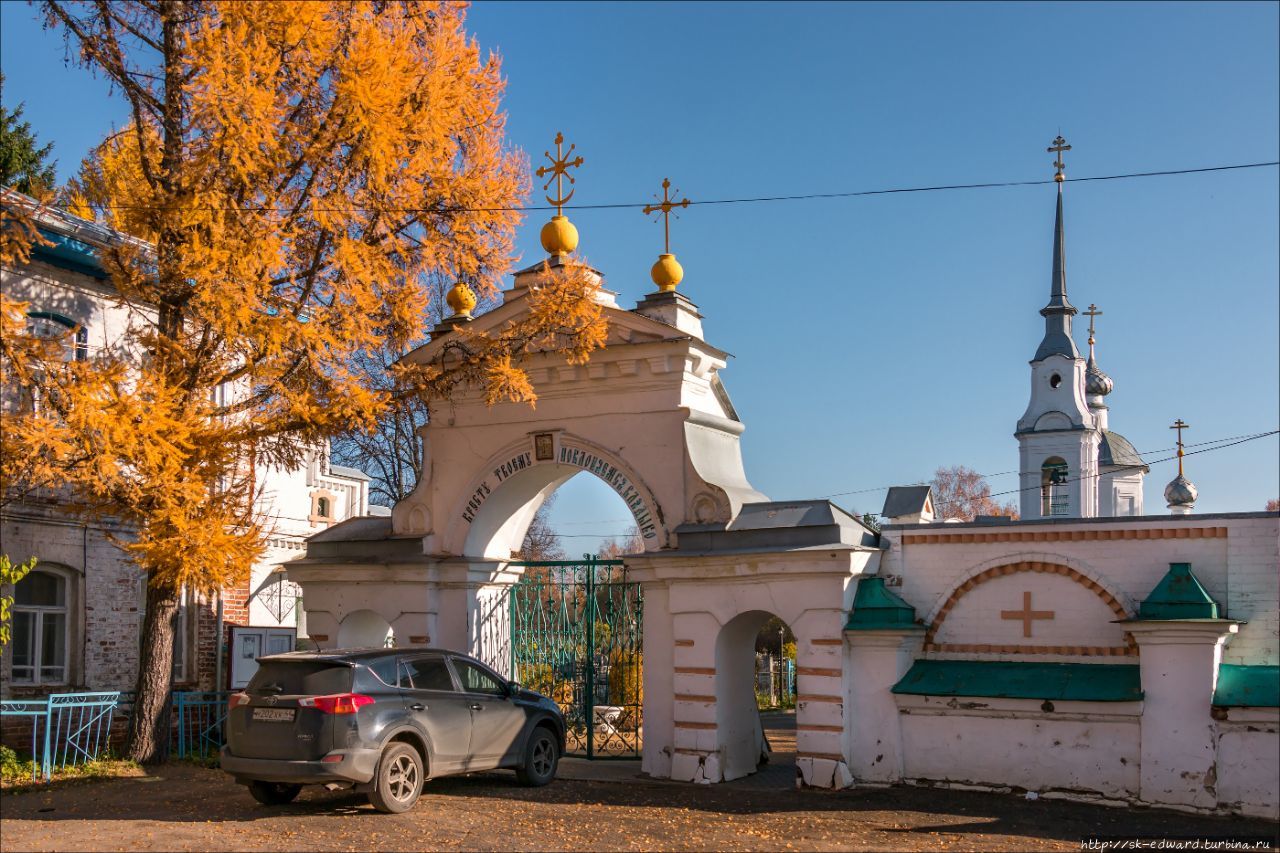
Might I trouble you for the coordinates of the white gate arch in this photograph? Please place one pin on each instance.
(648, 415)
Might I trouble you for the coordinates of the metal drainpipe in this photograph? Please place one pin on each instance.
(82, 620)
(217, 647)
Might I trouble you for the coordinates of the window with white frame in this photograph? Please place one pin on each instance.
(41, 628)
(75, 337)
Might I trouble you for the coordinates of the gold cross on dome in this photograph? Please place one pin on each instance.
(1180, 426)
(559, 170)
(1091, 313)
(1026, 614)
(1059, 145)
(665, 209)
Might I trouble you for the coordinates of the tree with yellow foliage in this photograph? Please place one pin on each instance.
(296, 174)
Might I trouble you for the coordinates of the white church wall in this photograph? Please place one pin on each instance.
(1248, 741)
(1080, 747)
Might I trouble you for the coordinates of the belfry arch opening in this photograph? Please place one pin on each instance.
(755, 699)
(1054, 498)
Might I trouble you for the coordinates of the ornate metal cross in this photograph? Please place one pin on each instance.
(1059, 145)
(1026, 614)
(665, 209)
(1180, 426)
(1091, 313)
(558, 170)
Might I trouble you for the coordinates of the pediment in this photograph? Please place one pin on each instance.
(625, 327)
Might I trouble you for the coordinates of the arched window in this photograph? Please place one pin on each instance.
(1054, 497)
(47, 324)
(40, 628)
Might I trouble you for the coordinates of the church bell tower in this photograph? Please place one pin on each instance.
(1058, 435)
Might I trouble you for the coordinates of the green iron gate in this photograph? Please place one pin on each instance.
(576, 637)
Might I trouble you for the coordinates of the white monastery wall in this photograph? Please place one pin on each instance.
(1247, 744)
(1057, 592)
(1078, 747)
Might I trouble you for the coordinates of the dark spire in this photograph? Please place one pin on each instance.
(1058, 313)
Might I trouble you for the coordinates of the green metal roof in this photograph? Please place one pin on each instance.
(1248, 686)
(876, 608)
(1085, 682)
(1179, 595)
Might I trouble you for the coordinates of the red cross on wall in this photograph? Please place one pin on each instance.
(1026, 614)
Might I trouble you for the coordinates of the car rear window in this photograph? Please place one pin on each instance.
(385, 669)
(300, 678)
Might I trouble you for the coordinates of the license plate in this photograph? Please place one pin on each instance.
(274, 715)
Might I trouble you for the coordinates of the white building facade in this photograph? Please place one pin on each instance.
(78, 615)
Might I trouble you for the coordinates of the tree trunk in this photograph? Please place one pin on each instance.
(148, 740)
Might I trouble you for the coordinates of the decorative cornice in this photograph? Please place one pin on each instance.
(1127, 534)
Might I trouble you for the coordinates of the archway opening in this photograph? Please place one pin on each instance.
(576, 616)
(755, 697)
(362, 629)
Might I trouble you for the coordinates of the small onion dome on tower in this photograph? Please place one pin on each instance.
(1096, 383)
(462, 300)
(1181, 493)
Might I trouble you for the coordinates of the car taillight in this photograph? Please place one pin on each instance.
(339, 703)
(238, 699)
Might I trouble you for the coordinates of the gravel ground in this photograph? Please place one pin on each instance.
(185, 807)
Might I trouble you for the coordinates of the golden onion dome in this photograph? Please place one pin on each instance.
(666, 272)
(462, 299)
(559, 236)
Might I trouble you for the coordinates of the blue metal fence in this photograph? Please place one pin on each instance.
(66, 728)
(200, 722)
(73, 728)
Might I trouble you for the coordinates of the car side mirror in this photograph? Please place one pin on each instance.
(513, 687)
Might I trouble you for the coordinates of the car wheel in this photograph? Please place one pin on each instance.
(399, 780)
(274, 793)
(541, 755)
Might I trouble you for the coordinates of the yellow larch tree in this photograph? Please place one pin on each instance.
(296, 175)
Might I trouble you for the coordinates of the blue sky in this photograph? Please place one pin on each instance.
(878, 338)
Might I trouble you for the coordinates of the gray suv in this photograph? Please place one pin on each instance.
(383, 721)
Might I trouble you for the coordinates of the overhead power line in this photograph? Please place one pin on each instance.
(1218, 444)
(715, 201)
(1155, 462)
(1232, 438)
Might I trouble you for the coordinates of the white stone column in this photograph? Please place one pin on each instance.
(659, 662)
(1179, 663)
(875, 660)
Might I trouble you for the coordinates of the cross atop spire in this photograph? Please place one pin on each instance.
(1091, 313)
(1058, 313)
(1059, 145)
(664, 208)
(559, 236)
(559, 170)
(1180, 426)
